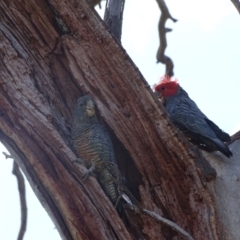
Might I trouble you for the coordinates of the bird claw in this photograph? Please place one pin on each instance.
(88, 173)
(79, 161)
(117, 202)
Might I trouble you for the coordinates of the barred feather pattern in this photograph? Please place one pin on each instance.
(92, 143)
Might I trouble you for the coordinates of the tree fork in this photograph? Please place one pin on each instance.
(114, 16)
(51, 53)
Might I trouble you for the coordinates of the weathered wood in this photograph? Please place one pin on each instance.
(226, 190)
(52, 52)
(33, 112)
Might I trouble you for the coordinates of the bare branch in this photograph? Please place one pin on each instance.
(22, 194)
(162, 30)
(160, 219)
(113, 17)
(7, 155)
(236, 3)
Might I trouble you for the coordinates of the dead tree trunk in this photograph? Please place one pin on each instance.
(114, 16)
(51, 53)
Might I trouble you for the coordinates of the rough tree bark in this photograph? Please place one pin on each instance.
(52, 52)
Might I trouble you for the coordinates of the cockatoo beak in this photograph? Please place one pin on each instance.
(90, 108)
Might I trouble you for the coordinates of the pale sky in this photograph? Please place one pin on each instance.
(204, 46)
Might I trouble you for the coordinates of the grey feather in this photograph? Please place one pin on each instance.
(92, 143)
(186, 115)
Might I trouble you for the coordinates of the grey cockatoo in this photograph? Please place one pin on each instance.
(185, 114)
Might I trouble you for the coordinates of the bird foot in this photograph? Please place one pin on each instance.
(117, 202)
(88, 173)
(79, 161)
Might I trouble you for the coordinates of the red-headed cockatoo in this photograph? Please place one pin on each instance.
(185, 114)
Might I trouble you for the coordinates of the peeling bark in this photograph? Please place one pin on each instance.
(43, 70)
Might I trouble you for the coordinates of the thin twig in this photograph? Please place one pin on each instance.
(162, 30)
(22, 194)
(236, 3)
(160, 219)
(7, 155)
